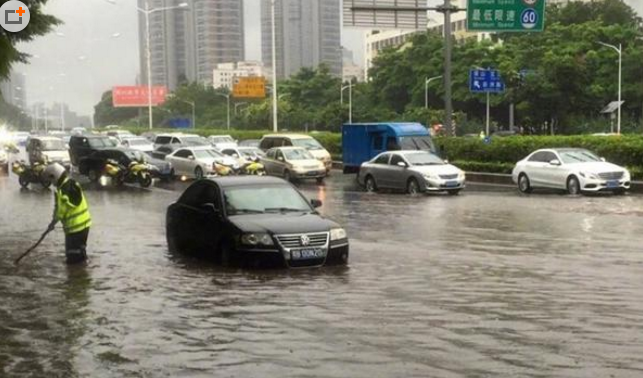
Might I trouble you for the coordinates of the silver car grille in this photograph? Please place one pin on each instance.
(449, 177)
(303, 240)
(611, 175)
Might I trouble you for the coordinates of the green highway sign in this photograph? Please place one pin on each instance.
(505, 15)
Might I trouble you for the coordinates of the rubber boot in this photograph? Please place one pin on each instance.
(76, 256)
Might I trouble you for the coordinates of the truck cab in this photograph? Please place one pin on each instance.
(363, 141)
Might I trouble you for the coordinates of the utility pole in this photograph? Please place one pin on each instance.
(274, 67)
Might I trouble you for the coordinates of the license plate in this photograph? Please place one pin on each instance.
(307, 254)
(612, 184)
(451, 184)
(313, 173)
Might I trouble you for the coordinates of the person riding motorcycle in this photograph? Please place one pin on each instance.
(72, 211)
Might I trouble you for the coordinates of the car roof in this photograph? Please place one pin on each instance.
(227, 182)
(291, 136)
(220, 136)
(91, 136)
(288, 148)
(569, 149)
(198, 148)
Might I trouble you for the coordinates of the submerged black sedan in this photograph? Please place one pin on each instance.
(254, 221)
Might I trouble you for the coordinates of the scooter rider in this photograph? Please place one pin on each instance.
(72, 211)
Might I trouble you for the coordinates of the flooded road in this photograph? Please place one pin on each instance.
(484, 284)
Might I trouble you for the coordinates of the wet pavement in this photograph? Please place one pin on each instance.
(490, 283)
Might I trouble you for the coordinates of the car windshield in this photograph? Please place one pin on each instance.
(136, 155)
(222, 140)
(417, 143)
(137, 142)
(307, 143)
(251, 152)
(206, 154)
(53, 145)
(102, 142)
(423, 159)
(578, 156)
(259, 199)
(297, 154)
(194, 141)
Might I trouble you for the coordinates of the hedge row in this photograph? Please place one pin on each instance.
(500, 155)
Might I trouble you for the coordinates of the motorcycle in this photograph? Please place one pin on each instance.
(30, 174)
(133, 172)
(223, 170)
(253, 167)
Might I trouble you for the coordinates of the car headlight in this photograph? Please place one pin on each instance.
(256, 239)
(462, 175)
(588, 175)
(337, 234)
(430, 176)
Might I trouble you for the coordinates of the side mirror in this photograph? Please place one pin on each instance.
(235, 156)
(280, 158)
(191, 157)
(446, 161)
(316, 203)
(210, 208)
(603, 159)
(401, 164)
(555, 162)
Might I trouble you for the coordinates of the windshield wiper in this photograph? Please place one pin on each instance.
(285, 210)
(247, 211)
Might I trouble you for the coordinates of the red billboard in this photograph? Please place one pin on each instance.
(137, 96)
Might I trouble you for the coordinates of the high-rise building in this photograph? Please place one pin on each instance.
(14, 91)
(308, 33)
(187, 43)
(223, 76)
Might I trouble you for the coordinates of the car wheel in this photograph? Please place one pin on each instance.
(287, 175)
(523, 183)
(93, 175)
(454, 192)
(45, 183)
(320, 180)
(145, 180)
(22, 180)
(573, 186)
(198, 173)
(412, 187)
(370, 184)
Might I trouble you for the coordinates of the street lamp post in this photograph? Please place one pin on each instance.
(619, 50)
(274, 67)
(350, 100)
(193, 104)
(426, 89)
(227, 96)
(148, 49)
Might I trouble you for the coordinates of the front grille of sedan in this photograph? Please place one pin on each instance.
(449, 177)
(310, 167)
(295, 241)
(611, 175)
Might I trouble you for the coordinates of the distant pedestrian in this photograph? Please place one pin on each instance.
(72, 211)
(483, 136)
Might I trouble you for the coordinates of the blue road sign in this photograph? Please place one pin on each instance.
(486, 81)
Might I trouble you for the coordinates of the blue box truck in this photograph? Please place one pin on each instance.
(363, 141)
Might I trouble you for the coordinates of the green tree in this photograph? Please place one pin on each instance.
(106, 114)
(39, 24)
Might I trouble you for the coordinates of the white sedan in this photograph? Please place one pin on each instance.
(572, 169)
(138, 143)
(198, 162)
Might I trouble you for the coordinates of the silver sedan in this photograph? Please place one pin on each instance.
(412, 171)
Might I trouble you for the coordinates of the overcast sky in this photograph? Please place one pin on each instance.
(81, 59)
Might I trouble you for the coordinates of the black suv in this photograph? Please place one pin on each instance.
(93, 164)
(81, 146)
(256, 221)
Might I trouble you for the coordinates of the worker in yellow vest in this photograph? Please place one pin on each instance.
(72, 211)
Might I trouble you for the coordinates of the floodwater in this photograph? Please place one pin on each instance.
(487, 284)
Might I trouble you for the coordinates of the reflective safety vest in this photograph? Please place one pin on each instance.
(73, 218)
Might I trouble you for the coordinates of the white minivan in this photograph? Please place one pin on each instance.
(298, 140)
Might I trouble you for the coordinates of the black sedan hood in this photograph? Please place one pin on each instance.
(282, 223)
